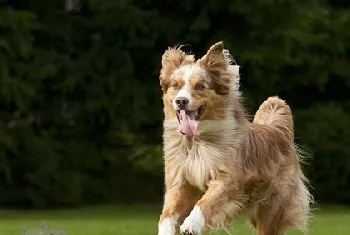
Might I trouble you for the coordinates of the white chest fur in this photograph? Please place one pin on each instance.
(201, 159)
(199, 166)
(197, 163)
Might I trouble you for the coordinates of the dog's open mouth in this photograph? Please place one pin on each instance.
(188, 120)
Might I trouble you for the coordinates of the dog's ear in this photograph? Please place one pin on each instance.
(172, 59)
(216, 64)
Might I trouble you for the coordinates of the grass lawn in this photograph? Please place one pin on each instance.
(142, 220)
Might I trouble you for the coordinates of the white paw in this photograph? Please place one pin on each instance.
(194, 223)
(167, 226)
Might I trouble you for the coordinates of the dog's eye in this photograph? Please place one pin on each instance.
(176, 86)
(199, 87)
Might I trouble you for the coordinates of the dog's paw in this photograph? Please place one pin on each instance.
(167, 226)
(194, 223)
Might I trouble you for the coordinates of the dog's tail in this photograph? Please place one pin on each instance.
(277, 113)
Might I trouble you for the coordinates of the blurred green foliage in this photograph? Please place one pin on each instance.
(80, 102)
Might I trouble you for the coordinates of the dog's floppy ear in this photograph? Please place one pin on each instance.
(215, 63)
(172, 59)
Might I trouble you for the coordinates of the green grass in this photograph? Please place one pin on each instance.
(142, 220)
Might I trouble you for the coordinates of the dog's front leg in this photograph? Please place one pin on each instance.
(178, 202)
(219, 205)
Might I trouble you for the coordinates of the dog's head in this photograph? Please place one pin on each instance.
(197, 90)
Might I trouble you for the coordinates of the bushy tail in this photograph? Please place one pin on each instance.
(275, 112)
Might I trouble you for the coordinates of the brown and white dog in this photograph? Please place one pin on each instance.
(218, 165)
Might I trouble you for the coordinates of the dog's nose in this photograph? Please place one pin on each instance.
(181, 102)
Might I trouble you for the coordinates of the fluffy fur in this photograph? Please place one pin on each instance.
(232, 166)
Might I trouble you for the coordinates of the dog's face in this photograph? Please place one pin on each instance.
(195, 90)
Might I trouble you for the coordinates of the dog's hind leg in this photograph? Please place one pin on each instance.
(178, 202)
(269, 221)
(218, 206)
(278, 215)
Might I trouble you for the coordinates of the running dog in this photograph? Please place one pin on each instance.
(219, 165)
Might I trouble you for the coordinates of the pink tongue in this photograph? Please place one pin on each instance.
(187, 126)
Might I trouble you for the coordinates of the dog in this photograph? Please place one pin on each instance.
(219, 165)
